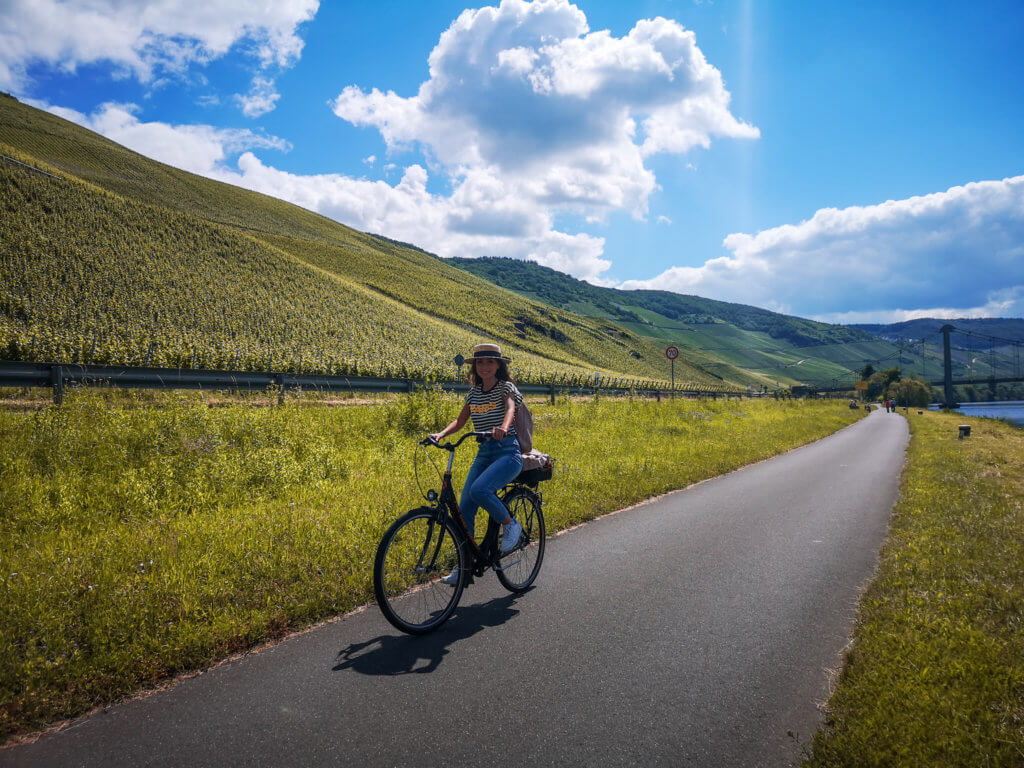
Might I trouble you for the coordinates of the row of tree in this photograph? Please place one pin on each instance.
(891, 385)
(915, 392)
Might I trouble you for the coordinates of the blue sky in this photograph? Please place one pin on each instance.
(849, 162)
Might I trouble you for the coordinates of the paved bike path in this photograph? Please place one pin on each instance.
(696, 629)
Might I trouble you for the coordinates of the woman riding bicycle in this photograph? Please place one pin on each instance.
(491, 404)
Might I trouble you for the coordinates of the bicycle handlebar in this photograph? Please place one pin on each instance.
(456, 444)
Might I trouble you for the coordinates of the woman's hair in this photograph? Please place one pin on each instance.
(502, 374)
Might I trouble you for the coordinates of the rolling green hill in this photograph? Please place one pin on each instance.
(1009, 328)
(779, 347)
(981, 348)
(644, 307)
(109, 257)
(782, 348)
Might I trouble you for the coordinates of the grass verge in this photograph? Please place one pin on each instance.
(935, 676)
(139, 541)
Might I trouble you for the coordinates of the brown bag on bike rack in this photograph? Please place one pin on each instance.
(537, 467)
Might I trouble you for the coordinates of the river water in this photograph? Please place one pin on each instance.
(1011, 411)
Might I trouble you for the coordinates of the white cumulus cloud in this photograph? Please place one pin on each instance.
(144, 37)
(527, 116)
(475, 219)
(201, 149)
(947, 254)
(470, 222)
(530, 114)
(260, 99)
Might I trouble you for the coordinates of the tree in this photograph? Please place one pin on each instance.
(910, 392)
(880, 381)
(867, 372)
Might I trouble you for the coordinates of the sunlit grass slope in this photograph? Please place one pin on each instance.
(776, 347)
(470, 302)
(156, 288)
(87, 276)
(935, 674)
(109, 165)
(137, 542)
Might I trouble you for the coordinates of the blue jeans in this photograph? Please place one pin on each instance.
(497, 464)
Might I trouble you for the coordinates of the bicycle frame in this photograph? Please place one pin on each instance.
(419, 557)
(483, 557)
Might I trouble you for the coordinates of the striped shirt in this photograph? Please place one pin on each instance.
(487, 409)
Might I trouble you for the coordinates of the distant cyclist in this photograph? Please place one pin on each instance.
(491, 404)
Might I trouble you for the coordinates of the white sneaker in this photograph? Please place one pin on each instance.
(513, 531)
(452, 578)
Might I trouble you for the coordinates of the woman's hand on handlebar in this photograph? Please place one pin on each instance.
(435, 439)
(498, 433)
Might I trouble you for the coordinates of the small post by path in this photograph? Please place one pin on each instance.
(57, 382)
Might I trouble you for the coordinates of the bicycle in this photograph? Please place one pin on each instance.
(428, 542)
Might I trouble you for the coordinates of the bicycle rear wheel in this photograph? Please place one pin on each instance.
(519, 568)
(417, 550)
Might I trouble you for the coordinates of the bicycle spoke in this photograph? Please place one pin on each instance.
(415, 553)
(520, 567)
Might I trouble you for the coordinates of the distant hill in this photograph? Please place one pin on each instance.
(108, 256)
(783, 348)
(561, 290)
(910, 330)
(981, 348)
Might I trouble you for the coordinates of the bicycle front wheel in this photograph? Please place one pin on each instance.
(417, 550)
(519, 568)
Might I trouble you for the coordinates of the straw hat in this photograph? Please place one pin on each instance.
(486, 352)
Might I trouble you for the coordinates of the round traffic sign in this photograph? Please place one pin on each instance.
(672, 353)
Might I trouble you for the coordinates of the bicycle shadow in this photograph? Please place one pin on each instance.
(406, 654)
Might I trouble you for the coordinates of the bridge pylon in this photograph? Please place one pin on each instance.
(947, 364)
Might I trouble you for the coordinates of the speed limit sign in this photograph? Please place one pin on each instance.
(672, 353)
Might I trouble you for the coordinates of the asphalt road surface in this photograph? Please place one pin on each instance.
(697, 629)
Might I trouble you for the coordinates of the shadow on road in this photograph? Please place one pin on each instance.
(405, 654)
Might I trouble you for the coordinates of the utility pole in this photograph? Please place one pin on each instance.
(947, 362)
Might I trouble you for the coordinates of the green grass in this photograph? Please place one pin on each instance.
(141, 537)
(78, 283)
(935, 676)
(572, 340)
(90, 277)
(123, 259)
(720, 336)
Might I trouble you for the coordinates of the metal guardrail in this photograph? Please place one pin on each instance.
(59, 375)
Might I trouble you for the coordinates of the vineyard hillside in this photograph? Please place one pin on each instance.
(109, 257)
(781, 347)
